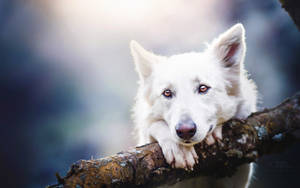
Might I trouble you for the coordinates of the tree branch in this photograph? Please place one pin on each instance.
(244, 141)
(293, 8)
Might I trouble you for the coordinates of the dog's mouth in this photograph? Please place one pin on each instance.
(190, 142)
(187, 142)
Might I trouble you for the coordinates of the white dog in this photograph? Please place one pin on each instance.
(183, 100)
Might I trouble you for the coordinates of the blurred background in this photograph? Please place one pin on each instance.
(67, 78)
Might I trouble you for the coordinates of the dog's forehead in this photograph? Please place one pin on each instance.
(188, 66)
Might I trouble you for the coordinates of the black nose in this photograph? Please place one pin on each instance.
(186, 129)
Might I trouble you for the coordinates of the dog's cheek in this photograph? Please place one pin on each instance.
(226, 108)
(168, 113)
(159, 109)
(200, 134)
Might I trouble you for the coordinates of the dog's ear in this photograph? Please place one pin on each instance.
(143, 59)
(230, 47)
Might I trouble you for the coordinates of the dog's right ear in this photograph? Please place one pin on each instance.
(143, 59)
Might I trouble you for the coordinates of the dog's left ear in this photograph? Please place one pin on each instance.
(230, 47)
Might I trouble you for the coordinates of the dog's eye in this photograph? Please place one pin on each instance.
(203, 88)
(168, 93)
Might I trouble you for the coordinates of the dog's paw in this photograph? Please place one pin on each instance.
(215, 135)
(179, 156)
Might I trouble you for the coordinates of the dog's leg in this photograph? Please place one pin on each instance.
(177, 155)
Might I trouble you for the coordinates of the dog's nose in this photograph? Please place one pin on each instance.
(186, 130)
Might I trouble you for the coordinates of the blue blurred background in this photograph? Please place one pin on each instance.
(67, 79)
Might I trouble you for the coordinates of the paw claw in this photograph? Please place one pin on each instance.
(179, 156)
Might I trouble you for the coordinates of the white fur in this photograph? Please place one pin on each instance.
(231, 94)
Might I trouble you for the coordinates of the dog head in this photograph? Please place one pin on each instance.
(193, 92)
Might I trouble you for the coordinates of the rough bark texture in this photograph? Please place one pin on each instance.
(243, 141)
(293, 8)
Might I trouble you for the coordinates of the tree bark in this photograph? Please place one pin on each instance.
(244, 141)
(293, 8)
